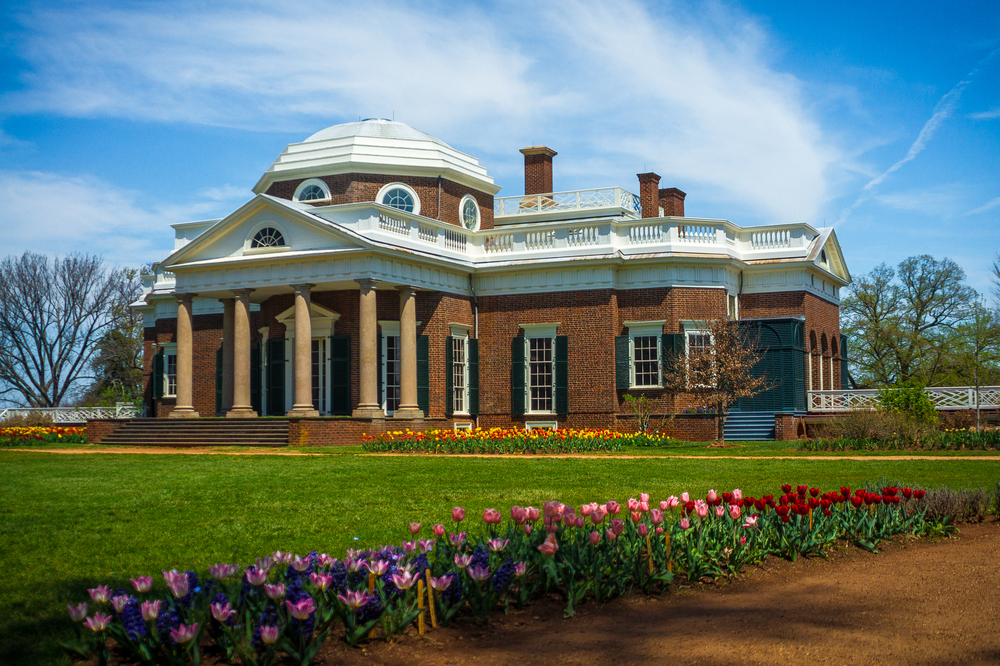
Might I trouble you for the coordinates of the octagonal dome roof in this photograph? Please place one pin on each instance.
(375, 145)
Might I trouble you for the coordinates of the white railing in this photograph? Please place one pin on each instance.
(455, 240)
(498, 243)
(583, 236)
(393, 224)
(943, 397)
(771, 240)
(697, 233)
(539, 240)
(639, 234)
(427, 234)
(552, 202)
(74, 415)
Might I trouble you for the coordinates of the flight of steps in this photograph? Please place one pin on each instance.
(749, 426)
(201, 432)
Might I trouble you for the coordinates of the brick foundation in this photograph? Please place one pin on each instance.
(98, 429)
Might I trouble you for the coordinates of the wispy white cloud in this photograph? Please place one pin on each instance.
(989, 205)
(688, 92)
(987, 115)
(57, 214)
(938, 201)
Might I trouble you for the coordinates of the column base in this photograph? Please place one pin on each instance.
(241, 413)
(368, 413)
(183, 413)
(306, 411)
(412, 413)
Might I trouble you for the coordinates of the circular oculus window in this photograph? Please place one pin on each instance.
(470, 213)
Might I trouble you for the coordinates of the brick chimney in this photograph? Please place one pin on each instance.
(672, 202)
(649, 197)
(538, 169)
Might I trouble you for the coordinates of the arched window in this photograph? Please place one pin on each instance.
(312, 193)
(267, 237)
(399, 196)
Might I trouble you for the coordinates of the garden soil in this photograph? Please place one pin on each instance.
(926, 602)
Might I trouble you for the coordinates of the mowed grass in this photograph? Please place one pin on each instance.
(72, 521)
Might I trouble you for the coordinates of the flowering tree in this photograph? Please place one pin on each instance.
(721, 371)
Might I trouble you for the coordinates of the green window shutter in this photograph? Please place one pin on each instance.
(845, 378)
(672, 350)
(473, 376)
(449, 380)
(562, 374)
(340, 374)
(218, 381)
(276, 377)
(622, 363)
(424, 374)
(158, 375)
(255, 401)
(517, 376)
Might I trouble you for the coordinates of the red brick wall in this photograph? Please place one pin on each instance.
(821, 318)
(538, 171)
(362, 187)
(649, 197)
(350, 432)
(98, 429)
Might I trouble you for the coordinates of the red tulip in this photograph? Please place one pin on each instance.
(438, 530)
(458, 514)
(786, 488)
(414, 528)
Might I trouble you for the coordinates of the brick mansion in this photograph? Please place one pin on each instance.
(377, 282)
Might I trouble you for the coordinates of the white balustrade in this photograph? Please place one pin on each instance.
(539, 240)
(583, 236)
(497, 243)
(393, 224)
(944, 398)
(427, 233)
(74, 415)
(455, 240)
(639, 234)
(697, 233)
(595, 199)
(771, 240)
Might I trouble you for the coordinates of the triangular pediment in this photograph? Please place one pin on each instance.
(827, 254)
(231, 237)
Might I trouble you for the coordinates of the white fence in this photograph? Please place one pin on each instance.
(75, 415)
(943, 397)
(603, 197)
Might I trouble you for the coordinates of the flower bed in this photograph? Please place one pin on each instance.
(510, 440)
(291, 604)
(21, 436)
(949, 440)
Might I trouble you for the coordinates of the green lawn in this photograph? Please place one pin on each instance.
(71, 521)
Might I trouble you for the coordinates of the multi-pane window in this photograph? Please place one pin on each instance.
(698, 343)
(540, 374)
(319, 383)
(170, 372)
(700, 363)
(646, 360)
(312, 193)
(392, 372)
(459, 373)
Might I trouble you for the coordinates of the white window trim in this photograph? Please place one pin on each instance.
(391, 186)
(641, 329)
(388, 329)
(541, 425)
(690, 328)
(533, 331)
(461, 212)
(464, 425)
(461, 332)
(169, 349)
(313, 181)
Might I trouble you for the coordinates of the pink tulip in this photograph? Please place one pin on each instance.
(409, 547)
(737, 494)
(492, 517)
(595, 538)
(533, 514)
(685, 523)
(443, 583)
(610, 533)
(643, 529)
(98, 622)
(636, 516)
(325, 560)
(275, 592)
(377, 567)
(438, 530)
(269, 634)
(458, 514)
(612, 508)
(266, 563)
(321, 580)
(78, 613)
(528, 528)
(256, 576)
(750, 521)
(656, 516)
(282, 558)
(618, 526)
(518, 514)
(150, 610)
(142, 583)
(497, 545)
(425, 545)
(551, 529)
(632, 504)
(457, 539)
(597, 516)
(685, 498)
(712, 496)
(700, 508)
(664, 505)
(177, 582)
(673, 502)
(405, 580)
(643, 506)
(479, 573)
(354, 564)
(354, 598)
(659, 531)
(302, 609)
(463, 560)
(644, 497)
(734, 511)
(184, 633)
(118, 603)
(549, 546)
(586, 510)
(217, 572)
(222, 612)
(300, 564)
(743, 541)
(520, 569)
(100, 594)
(414, 528)
(720, 511)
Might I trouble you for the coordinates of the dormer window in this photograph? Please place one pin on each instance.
(401, 197)
(822, 256)
(313, 189)
(267, 237)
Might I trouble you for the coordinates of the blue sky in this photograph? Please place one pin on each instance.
(883, 119)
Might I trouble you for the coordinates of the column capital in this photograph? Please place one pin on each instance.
(302, 286)
(406, 288)
(184, 297)
(243, 293)
(367, 283)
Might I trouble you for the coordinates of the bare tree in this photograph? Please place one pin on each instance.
(978, 346)
(721, 371)
(117, 363)
(52, 313)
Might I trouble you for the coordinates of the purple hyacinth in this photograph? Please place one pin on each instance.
(131, 616)
(268, 617)
(480, 558)
(169, 618)
(501, 579)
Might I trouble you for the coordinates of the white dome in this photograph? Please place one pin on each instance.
(375, 145)
(377, 128)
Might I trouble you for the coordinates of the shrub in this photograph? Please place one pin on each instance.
(29, 420)
(910, 400)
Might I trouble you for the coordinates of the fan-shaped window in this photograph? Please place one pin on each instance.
(312, 193)
(399, 198)
(267, 237)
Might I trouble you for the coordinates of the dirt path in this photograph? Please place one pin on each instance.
(928, 603)
(286, 452)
